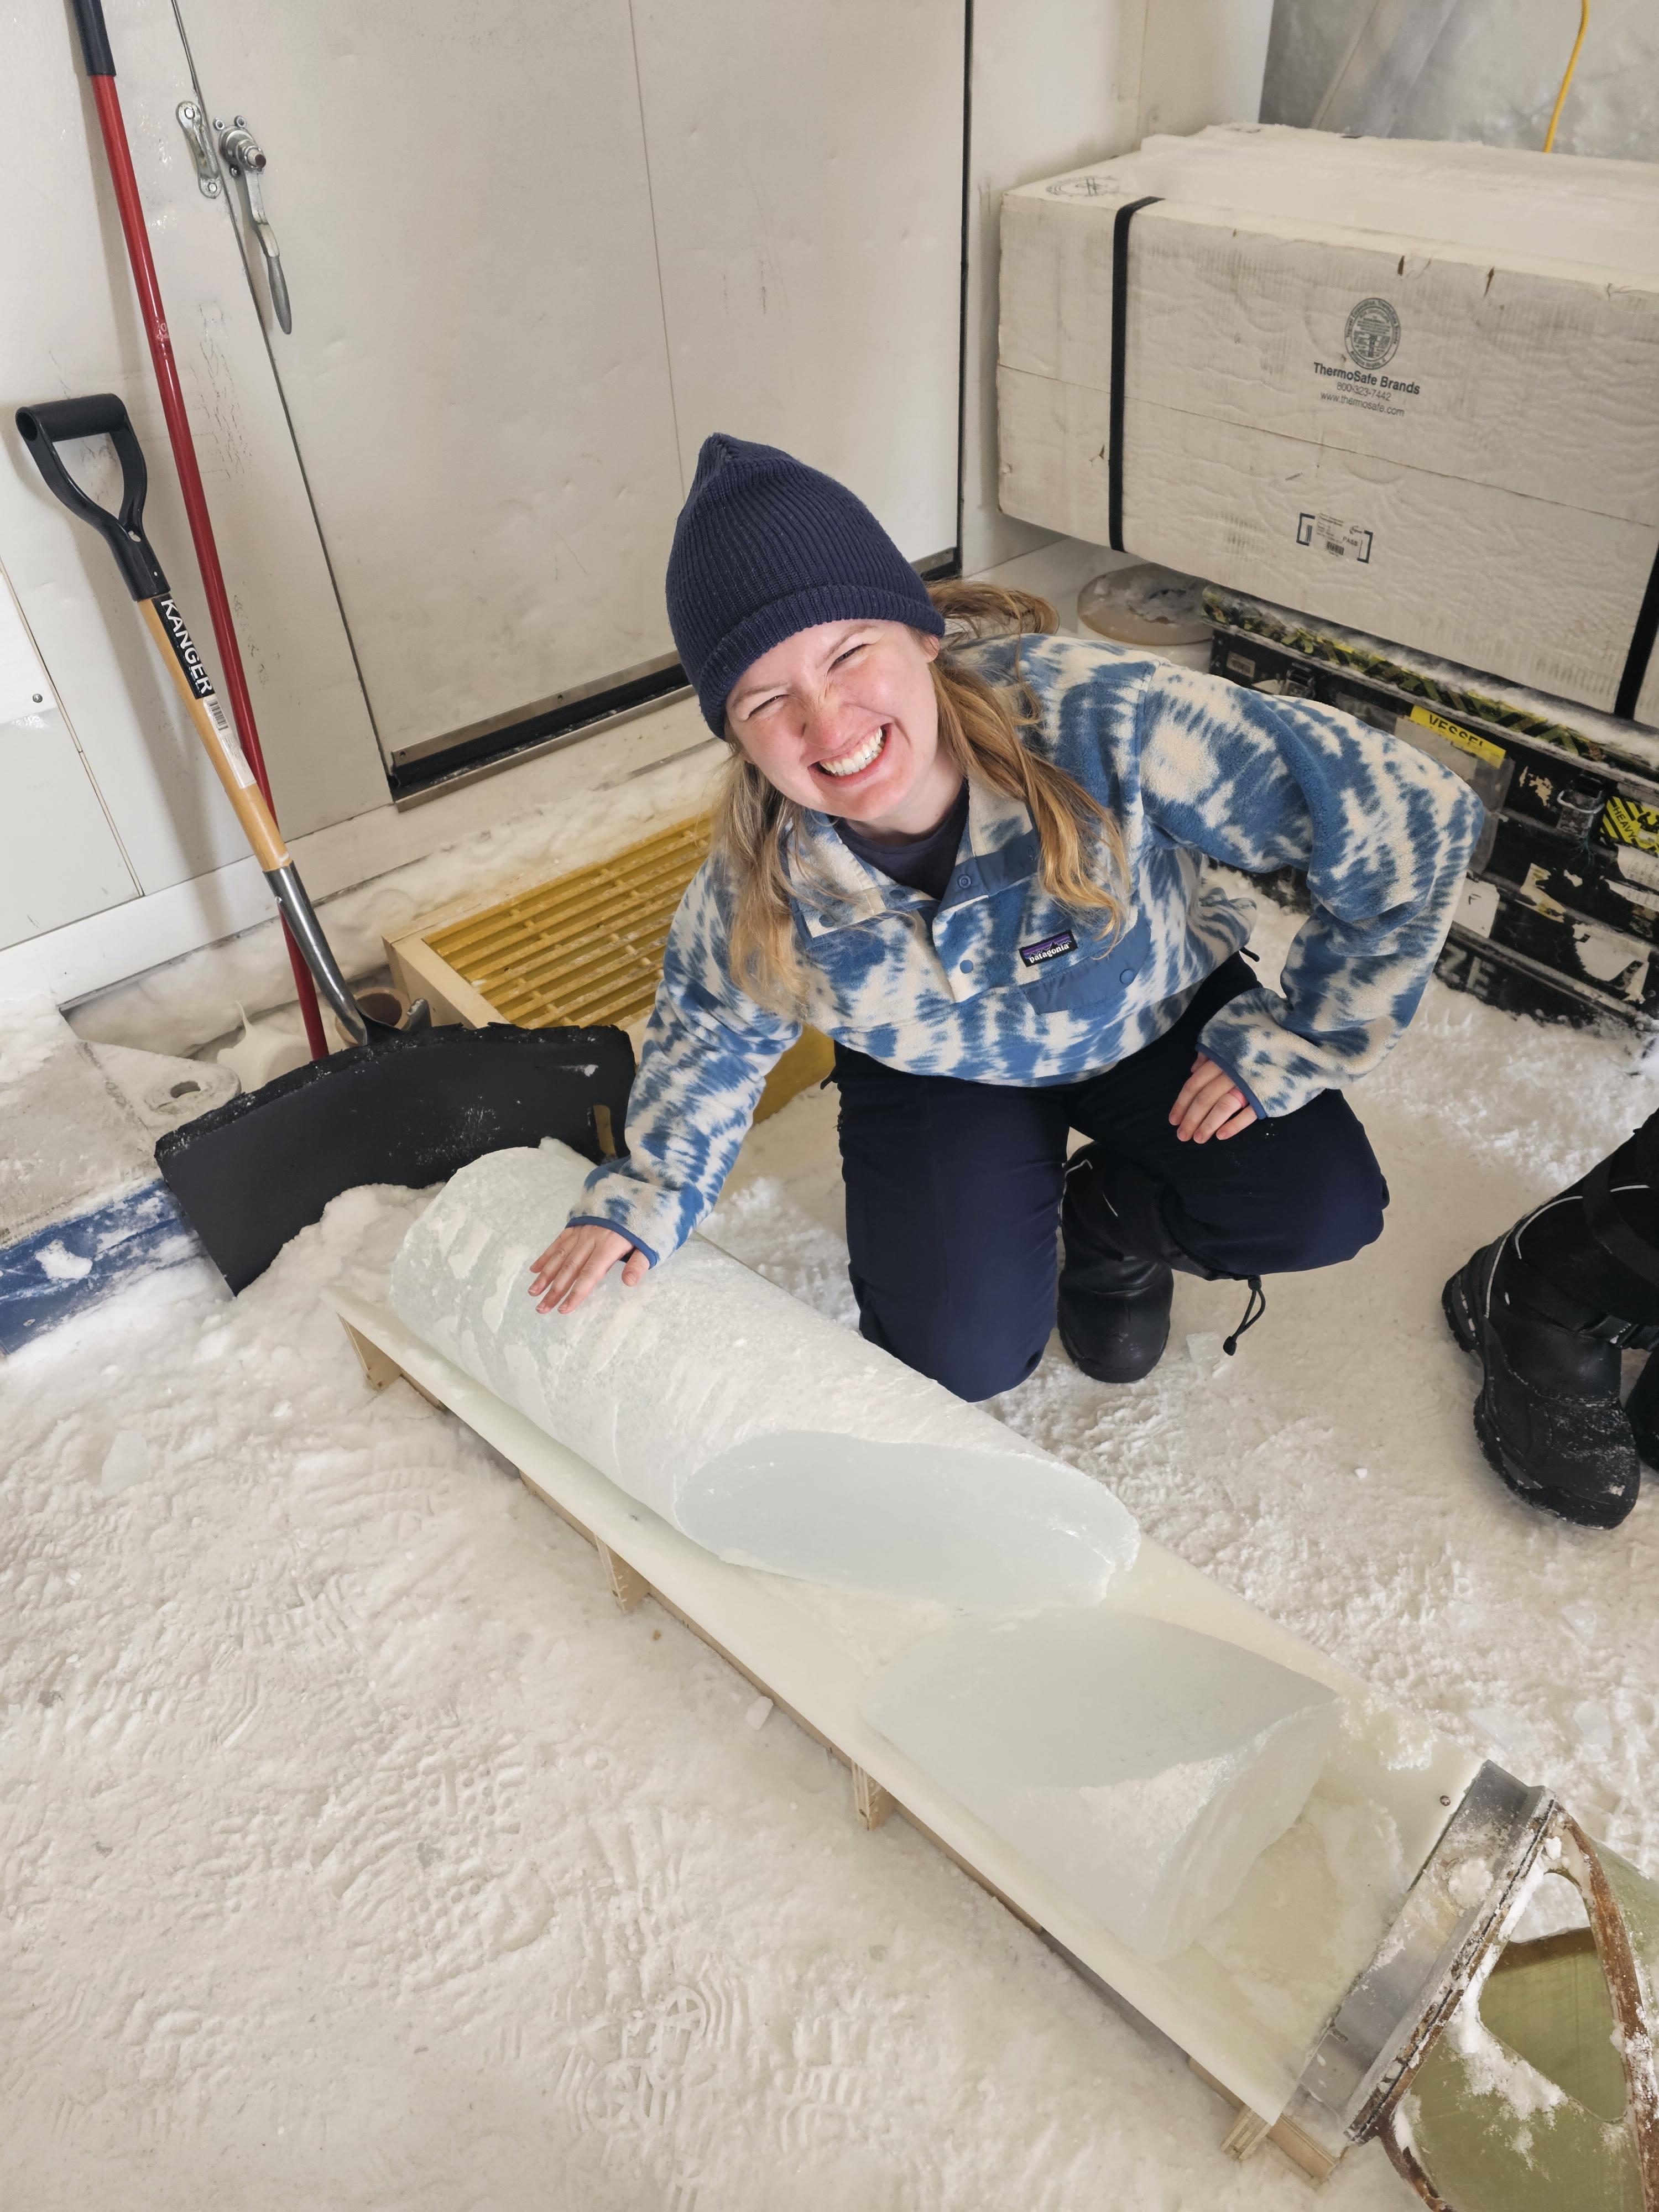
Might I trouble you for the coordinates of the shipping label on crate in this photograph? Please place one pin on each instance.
(1328, 533)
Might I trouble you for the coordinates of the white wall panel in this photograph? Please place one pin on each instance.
(68, 325)
(59, 859)
(806, 177)
(1203, 62)
(1058, 84)
(476, 372)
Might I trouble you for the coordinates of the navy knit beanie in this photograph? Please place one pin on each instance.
(765, 546)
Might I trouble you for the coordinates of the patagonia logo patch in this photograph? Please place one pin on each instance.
(1047, 948)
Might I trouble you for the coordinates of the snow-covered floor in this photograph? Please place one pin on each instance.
(355, 1852)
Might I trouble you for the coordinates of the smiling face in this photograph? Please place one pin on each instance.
(843, 717)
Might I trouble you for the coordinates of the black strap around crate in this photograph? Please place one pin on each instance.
(1641, 647)
(1121, 223)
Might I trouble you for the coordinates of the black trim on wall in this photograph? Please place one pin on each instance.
(962, 302)
(411, 778)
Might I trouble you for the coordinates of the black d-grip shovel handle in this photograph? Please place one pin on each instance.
(100, 415)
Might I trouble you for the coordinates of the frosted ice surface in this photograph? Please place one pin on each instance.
(984, 1531)
(1143, 1765)
(772, 1436)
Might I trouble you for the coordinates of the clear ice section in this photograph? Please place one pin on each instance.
(1144, 1766)
(772, 1436)
(986, 1531)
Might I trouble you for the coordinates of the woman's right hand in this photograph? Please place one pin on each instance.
(577, 1262)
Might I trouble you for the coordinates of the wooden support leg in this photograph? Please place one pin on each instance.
(381, 1367)
(871, 1802)
(1249, 2131)
(626, 1587)
(1246, 2135)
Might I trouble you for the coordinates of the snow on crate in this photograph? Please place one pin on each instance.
(82, 1209)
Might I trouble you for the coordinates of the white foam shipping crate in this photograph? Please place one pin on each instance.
(1410, 388)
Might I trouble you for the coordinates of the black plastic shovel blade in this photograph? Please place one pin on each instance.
(410, 1110)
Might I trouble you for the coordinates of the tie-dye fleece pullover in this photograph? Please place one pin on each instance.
(1001, 984)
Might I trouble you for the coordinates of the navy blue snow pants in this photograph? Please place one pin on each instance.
(954, 1190)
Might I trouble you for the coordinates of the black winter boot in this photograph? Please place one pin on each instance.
(1642, 1412)
(1118, 1280)
(1548, 1310)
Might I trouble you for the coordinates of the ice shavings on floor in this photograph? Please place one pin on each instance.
(355, 1851)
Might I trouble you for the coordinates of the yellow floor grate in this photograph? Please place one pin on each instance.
(580, 952)
(587, 948)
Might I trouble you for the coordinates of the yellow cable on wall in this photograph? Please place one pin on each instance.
(1567, 82)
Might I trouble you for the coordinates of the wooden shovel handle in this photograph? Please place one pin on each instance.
(213, 726)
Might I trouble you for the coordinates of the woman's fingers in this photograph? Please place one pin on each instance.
(590, 1271)
(552, 1262)
(570, 1282)
(1206, 1088)
(540, 1269)
(1209, 1105)
(577, 1262)
(1225, 1120)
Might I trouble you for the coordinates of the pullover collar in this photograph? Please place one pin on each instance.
(835, 889)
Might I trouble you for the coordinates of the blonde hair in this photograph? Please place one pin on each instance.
(979, 730)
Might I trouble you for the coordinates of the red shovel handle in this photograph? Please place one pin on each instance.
(100, 68)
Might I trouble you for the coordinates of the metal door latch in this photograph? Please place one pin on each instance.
(194, 124)
(244, 158)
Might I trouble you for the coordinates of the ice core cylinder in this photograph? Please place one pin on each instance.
(771, 1434)
(1145, 1765)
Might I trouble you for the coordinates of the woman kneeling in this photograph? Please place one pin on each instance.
(972, 853)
